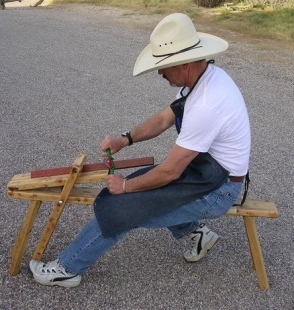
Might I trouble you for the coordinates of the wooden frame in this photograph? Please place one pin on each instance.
(61, 189)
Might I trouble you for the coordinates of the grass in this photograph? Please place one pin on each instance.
(273, 24)
(259, 23)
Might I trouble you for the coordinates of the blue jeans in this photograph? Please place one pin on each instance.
(90, 245)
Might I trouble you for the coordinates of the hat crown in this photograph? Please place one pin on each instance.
(175, 41)
(174, 33)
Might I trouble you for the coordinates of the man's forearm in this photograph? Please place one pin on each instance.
(155, 178)
(153, 126)
(169, 170)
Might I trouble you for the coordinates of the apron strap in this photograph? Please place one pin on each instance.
(246, 187)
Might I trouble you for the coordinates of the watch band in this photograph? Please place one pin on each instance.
(128, 135)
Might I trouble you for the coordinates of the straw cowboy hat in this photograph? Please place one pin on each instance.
(175, 41)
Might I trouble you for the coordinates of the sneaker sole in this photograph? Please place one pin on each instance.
(63, 283)
(208, 246)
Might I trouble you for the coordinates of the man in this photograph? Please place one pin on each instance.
(202, 174)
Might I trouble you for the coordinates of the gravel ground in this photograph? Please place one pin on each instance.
(66, 81)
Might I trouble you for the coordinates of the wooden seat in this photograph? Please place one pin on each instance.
(62, 189)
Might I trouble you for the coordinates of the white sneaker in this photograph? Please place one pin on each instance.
(53, 273)
(203, 239)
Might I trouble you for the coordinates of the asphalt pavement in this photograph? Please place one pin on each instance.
(65, 82)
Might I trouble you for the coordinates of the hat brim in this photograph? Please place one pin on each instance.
(210, 46)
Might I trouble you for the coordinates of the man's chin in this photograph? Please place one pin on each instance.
(171, 84)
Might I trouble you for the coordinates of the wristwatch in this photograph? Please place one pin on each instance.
(128, 135)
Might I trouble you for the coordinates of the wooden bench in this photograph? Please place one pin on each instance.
(62, 189)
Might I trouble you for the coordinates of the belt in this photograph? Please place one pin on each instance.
(236, 179)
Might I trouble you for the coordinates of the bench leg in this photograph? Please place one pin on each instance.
(23, 237)
(49, 229)
(256, 252)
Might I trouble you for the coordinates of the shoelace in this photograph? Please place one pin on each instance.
(52, 267)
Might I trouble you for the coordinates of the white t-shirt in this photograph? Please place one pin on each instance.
(215, 120)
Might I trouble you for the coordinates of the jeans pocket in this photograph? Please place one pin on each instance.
(220, 201)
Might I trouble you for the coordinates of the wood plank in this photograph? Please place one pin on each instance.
(258, 208)
(86, 195)
(54, 181)
(18, 177)
(119, 164)
(78, 195)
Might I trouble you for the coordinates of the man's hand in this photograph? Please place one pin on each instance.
(115, 144)
(115, 184)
